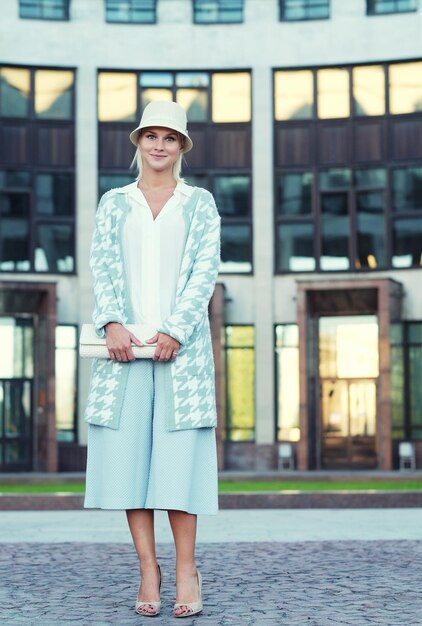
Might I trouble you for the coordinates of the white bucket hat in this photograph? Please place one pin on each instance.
(166, 114)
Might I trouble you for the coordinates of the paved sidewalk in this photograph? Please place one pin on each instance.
(260, 568)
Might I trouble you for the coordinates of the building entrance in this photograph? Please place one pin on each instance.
(348, 373)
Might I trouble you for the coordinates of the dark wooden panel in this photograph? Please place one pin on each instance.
(231, 147)
(199, 156)
(406, 138)
(369, 140)
(14, 144)
(54, 145)
(293, 145)
(115, 149)
(334, 143)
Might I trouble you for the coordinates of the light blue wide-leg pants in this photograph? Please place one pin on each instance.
(142, 465)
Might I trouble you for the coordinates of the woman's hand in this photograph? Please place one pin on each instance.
(119, 342)
(167, 347)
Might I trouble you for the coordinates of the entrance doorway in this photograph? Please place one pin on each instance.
(348, 373)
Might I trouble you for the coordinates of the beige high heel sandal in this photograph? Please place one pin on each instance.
(192, 607)
(154, 604)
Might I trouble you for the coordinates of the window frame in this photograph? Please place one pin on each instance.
(75, 429)
(314, 165)
(38, 4)
(282, 12)
(131, 21)
(196, 8)
(373, 12)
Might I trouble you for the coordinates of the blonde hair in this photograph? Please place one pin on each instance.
(177, 165)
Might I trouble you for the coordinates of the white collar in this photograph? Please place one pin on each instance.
(131, 188)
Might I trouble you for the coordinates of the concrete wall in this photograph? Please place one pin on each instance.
(261, 43)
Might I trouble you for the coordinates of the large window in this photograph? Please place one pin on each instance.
(131, 11)
(294, 91)
(66, 387)
(406, 376)
(217, 11)
(287, 382)
(304, 9)
(44, 9)
(366, 212)
(239, 347)
(218, 106)
(381, 7)
(37, 190)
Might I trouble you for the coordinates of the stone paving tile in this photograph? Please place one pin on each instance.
(351, 583)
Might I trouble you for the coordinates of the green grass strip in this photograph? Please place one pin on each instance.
(248, 486)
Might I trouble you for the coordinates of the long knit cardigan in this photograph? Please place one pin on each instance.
(191, 388)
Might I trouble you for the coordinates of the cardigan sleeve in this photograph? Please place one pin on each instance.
(106, 308)
(193, 303)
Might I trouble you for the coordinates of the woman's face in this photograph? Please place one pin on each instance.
(159, 147)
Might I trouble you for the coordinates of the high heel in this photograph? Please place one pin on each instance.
(192, 607)
(154, 604)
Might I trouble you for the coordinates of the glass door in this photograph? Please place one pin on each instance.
(348, 370)
(16, 380)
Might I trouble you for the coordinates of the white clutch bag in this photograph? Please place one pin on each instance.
(92, 346)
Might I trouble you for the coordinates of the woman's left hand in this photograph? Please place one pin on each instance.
(167, 347)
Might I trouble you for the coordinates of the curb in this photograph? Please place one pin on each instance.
(240, 500)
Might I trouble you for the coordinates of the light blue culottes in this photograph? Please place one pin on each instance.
(142, 465)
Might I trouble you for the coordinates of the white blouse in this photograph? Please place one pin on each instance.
(153, 250)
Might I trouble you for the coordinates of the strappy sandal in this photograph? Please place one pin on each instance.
(144, 605)
(192, 608)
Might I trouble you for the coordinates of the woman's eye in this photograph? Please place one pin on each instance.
(150, 136)
(171, 139)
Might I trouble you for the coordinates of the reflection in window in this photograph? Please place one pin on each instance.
(407, 243)
(232, 195)
(116, 96)
(14, 231)
(407, 189)
(287, 363)
(333, 93)
(231, 97)
(111, 181)
(54, 194)
(294, 194)
(370, 229)
(17, 342)
(371, 177)
(152, 94)
(218, 11)
(369, 90)
(294, 94)
(405, 87)
(195, 103)
(380, 7)
(131, 11)
(236, 248)
(44, 9)
(296, 247)
(335, 178)
(304, 9)
(54, 248)
(335, 231)
(66, 372)
(53, 94)
(192, 79)
(240, 383)
(15, 86)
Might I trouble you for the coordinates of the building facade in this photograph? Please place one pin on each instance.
(306, 117)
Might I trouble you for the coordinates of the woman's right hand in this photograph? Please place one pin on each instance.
(119, 342)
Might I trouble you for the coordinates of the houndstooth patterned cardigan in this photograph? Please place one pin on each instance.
(191, 392)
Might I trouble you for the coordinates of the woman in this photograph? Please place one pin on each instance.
(151, 435)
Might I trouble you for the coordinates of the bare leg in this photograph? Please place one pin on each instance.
(183, 526)
(141, 524)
